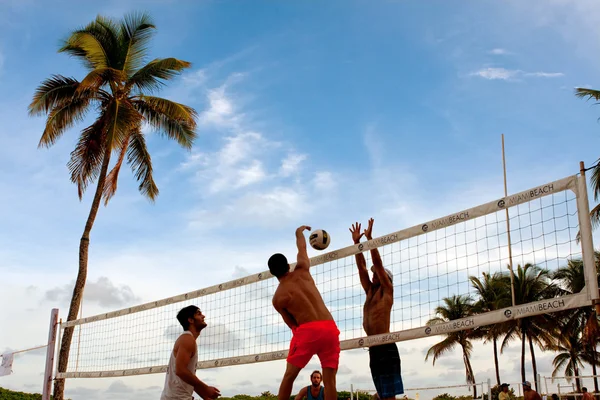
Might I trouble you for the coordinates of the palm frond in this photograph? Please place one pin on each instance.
(61, 118)
(86, 158)
(441, 348)
(99, 77)
(150, 76)
(123, 119)
(589, 93)
(96, 44)
(175, 120)
(135, 32)
(51, 92)
(110, 184)
(141, 164)
(85, 46)
(559, 362)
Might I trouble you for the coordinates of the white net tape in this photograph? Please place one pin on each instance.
(430, 261)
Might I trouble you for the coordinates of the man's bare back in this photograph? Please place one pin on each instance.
(298, 296)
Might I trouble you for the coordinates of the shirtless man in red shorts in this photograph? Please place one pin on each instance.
(314, 331)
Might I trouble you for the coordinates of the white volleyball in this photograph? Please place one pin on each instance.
(319, 239)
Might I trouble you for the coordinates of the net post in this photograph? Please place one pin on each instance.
(587, 246)
(58, 342)
(351, 391)
(489, 383)
(510, 258)
(48, 372)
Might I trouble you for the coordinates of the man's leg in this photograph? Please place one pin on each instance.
(287, 383)
(329, 381)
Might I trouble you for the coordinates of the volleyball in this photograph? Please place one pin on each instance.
(319, 239)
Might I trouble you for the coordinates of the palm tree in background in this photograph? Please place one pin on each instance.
(494, 294)
(455, 307)
(584, 321)
(595, 176)
(116, 87)
(571, 355)
(532, 283)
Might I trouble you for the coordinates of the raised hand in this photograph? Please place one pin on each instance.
(368, 232)
(302, 228)
(355, 230)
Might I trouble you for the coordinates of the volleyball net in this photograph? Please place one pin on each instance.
(430, 261)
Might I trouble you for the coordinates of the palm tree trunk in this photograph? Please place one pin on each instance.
(594, 369)
(469, 371)
(522, 354)
(84, 244)
(533, 364)
(576, 371)
(495, 340)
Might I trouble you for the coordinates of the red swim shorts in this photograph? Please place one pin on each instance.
(317, 337)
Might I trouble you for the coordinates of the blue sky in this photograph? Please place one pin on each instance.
(310, 113)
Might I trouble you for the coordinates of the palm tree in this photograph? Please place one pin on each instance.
(583, 320)
(494, 294)
(595, 177)
(114, 53)
(572, 352)
(455, 307)
(532, 283)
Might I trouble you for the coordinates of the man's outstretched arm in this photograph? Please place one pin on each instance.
(361, 263)
(303, 261)
(377, 263)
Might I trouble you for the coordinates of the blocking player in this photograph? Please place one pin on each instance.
(384, 360)
(302, 308)
(181, 380)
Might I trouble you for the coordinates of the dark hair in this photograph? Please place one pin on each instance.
(584, 389)
(185, 314)
(278, 265)
(316, 372)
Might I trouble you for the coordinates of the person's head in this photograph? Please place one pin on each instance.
(278, 265)
(504, 387)
(191, 318)
(554, 396)
(584, 389)
(376, 280)
(316, 378)
(526, 386)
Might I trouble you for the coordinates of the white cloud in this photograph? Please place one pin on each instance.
(239, 147)
(545, 74)
(221, 111)
(236, 165)
(291, 164)
(499, 52)
(278, 203)
(493, 73)
(103, 292)
(254, 173)
(324, 181)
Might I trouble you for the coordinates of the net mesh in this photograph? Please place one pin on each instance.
(427, 268)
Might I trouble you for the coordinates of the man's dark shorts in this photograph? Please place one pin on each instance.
(384, 361)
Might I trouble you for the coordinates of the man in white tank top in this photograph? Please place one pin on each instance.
(181, 380)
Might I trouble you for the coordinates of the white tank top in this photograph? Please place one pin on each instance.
(175, 388)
